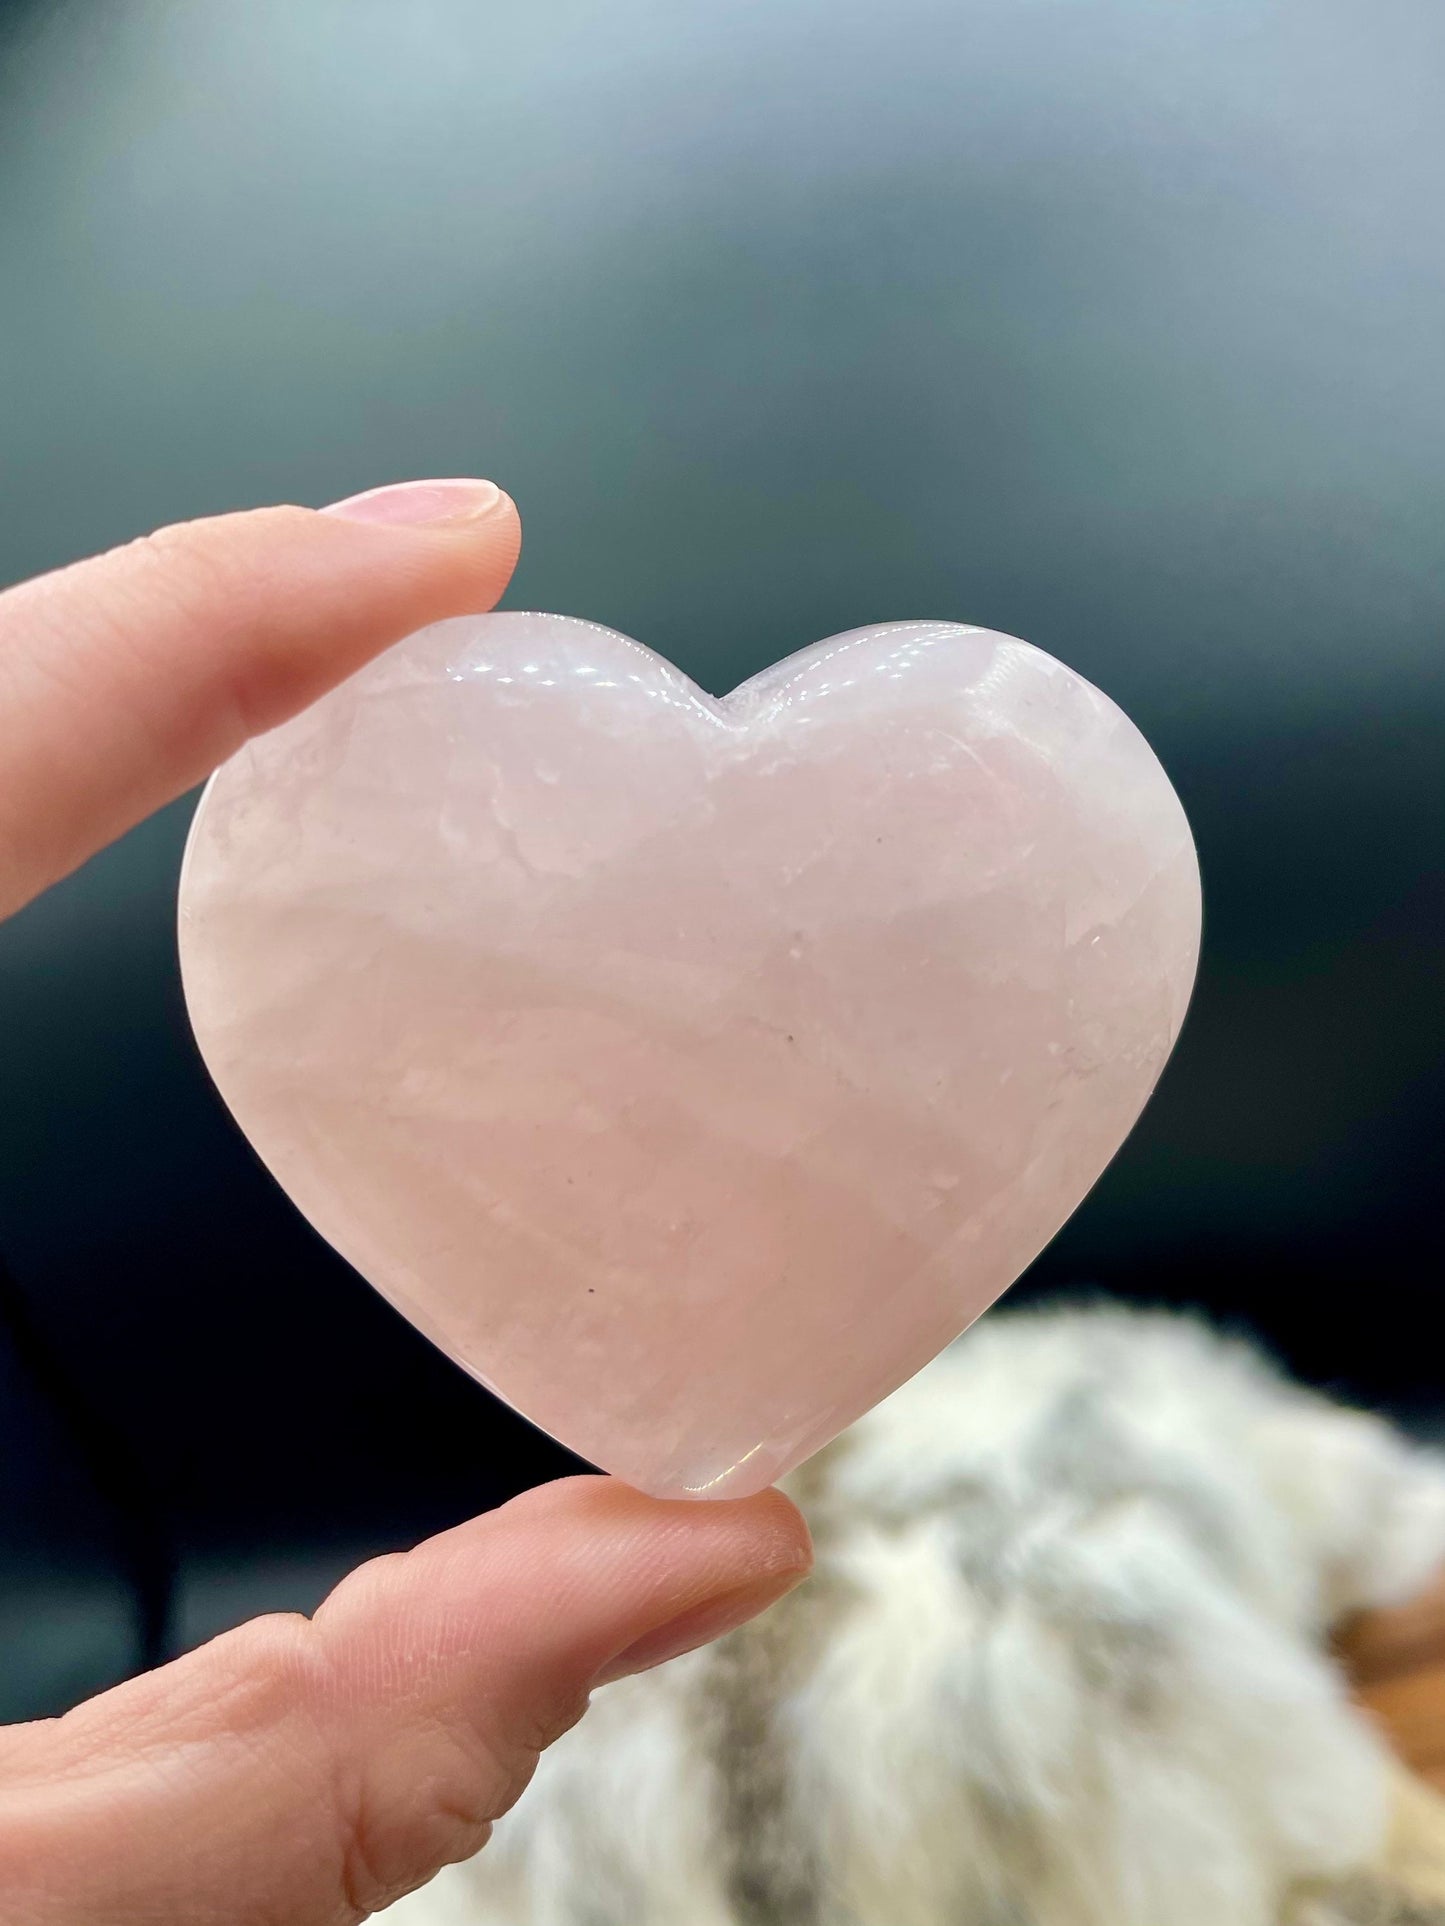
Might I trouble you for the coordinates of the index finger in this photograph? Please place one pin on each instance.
(126, 678)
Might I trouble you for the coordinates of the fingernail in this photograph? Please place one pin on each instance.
(699, 1625)
(457, 499)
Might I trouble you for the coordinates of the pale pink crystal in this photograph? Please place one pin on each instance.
(691, 1070)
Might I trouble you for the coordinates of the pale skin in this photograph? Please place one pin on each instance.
(309, 1771)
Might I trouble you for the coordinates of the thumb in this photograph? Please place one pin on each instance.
(315, 1770)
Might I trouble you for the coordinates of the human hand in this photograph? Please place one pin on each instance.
(310, 1771)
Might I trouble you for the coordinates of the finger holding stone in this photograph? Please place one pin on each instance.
(126, 678)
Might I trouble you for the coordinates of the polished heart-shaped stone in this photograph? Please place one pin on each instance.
(691, 1070)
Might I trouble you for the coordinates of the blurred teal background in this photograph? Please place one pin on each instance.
(1115, 325)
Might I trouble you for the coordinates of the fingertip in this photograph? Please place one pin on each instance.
(576, 1571)
(766, 1528)
(669, 1573)
(458, 515)
(457, 542)
(456, 498)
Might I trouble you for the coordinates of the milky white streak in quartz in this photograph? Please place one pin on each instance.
(691, 1070)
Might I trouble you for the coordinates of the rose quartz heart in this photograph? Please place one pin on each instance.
(691, 1070)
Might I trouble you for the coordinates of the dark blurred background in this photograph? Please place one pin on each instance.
(1115, 325)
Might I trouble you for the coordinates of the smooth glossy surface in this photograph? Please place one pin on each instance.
(691, 1070)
